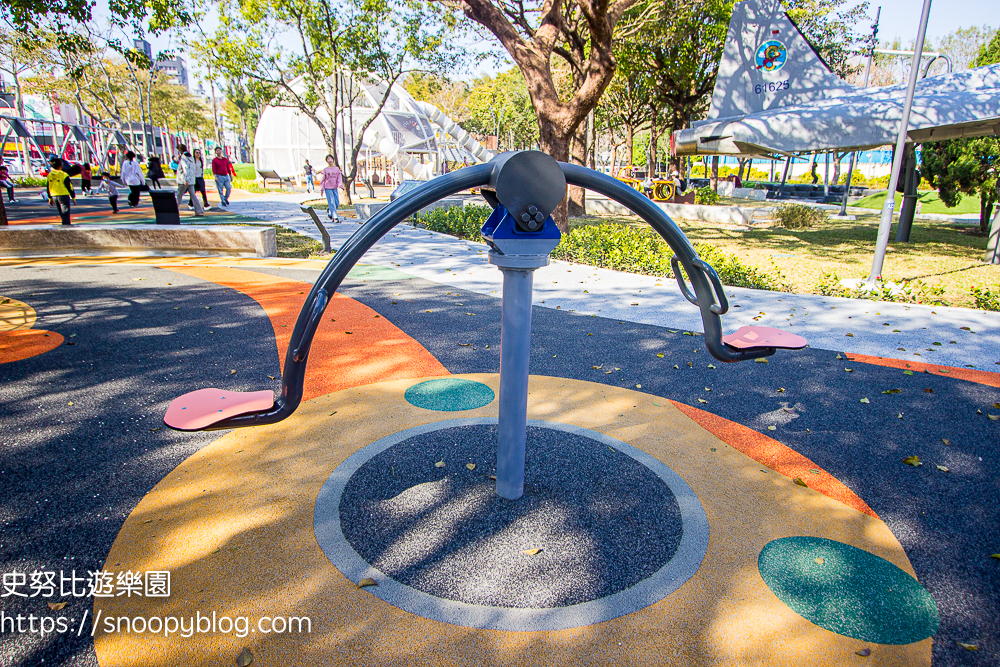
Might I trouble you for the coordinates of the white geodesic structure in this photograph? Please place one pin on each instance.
(415, 136)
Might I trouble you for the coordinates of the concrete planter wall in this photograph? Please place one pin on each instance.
(720, 214)
(155, 240)
(369, 209)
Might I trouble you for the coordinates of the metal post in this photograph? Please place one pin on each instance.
(515, 351)
(885, 223)
(784, 176)
(909, 205)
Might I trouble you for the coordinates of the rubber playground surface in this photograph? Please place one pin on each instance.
(789, 530)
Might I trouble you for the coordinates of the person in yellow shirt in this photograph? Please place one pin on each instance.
(59, 189)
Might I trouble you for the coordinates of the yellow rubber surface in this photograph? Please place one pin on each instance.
(234, 526)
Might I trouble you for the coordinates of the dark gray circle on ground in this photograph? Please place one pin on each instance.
(617, 528)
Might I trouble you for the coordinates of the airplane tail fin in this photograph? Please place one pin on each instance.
(767, 62)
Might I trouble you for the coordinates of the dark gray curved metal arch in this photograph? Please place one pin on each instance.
(330, 279)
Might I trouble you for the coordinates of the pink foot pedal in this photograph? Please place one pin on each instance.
(746, 337)
(196, 410)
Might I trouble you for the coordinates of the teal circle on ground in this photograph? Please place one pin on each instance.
(847, 590)
(449, 395)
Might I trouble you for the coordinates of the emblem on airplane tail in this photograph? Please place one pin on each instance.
(771, 56)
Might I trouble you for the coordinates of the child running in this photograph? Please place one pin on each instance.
(86, 177)
(111, 188)
(59, 189)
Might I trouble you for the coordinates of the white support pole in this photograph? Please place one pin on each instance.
(885, 223)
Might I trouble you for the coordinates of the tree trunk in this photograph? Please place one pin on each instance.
(552, 143)
(985, 213)
(714, 181)
(578, 155)
(630, 144)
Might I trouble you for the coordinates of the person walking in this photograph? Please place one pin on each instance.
(111, 188)
(131, 175)
(308, 171)
(59, 189)
(86, 179)
(199, 184)
(222, 170)
(154, 171)
(330, 180)
(187, 172)
(7, 182)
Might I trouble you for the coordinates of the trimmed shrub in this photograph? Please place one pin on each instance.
(799, 216)
(907, 291)
(642, 250)
(985, 298)
(464, 222)
(706, 195)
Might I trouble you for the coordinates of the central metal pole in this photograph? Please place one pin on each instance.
(885, 223)
(515, 351)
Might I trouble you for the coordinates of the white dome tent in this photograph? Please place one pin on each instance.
(404, 130)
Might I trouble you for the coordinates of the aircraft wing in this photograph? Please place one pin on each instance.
(775, 95)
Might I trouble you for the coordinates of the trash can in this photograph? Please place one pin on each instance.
(165, 207)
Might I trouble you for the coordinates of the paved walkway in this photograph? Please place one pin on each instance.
(941, 335)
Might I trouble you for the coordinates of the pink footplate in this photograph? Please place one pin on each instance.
(745, 337)
(197, 409)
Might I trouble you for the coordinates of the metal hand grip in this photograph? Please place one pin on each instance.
(720, 306)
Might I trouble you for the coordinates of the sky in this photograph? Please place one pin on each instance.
(899, 18)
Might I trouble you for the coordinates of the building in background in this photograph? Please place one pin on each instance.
(176, 69)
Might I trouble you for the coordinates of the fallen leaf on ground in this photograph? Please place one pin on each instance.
(532, 552)
(899, 415)
(638, 386)
(772, 428)
(992, 417)
(439, 464)
(798, 480)
(943, 468)
(946, 441)
(56, 606)
(839, 357)
(995, 556)
(865, 400)
(244, 658)
(702, 400)
(232, 371)
(271, 376)
(928, 391)
(892, 391)
(912, 460)
(470, 466)
(711, 365)
(864, 652)
(907, 372)
(849, 370)
(850, 335)
(493, 477)
(997, 405)
(659, 355)
(781, 390)
(968, 647)
(676, 366)
(814, 471)
(367, 581)
(761, 360)
(819, 561)
(597, 368)
(464, 344)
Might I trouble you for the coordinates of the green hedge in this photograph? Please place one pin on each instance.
(461, 221)
(610, 246)
(642, 250)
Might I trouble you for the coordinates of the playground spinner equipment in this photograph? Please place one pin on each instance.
(523, 188)
(663, 190)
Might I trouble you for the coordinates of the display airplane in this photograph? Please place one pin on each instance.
(774, 95)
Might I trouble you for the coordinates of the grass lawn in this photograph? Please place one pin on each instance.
(940, 254)
(929, 203)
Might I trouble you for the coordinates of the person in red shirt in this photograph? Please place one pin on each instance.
(223, 172)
